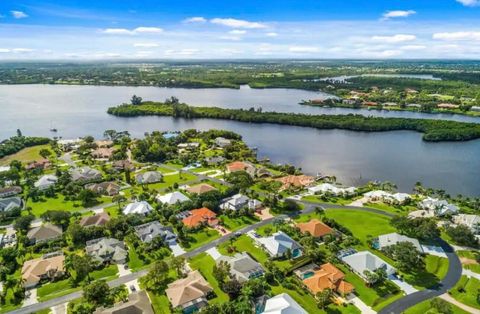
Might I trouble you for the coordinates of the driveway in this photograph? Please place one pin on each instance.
(408, 289)
(122, 271)
(176, 249)
(434, 250)
(59, 309)
(214, 253)
(30, 297)
(364, 309)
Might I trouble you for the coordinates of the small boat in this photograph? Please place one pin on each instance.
(53, 130)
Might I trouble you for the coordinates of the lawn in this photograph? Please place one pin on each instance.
(234, 224)
(200, 237)
(170, 180)
(204, 263)
(59, 203)
(331, 200)
(436, 268)
(402, 210)
(473, 256)
(245, 244)
(25, 155)
(424, 307)
(466, 291)
(160, 303)
(363, 225)
(9, 306)
(134, 262)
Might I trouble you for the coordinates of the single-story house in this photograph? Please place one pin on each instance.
(242, 266)
(85, 174)
(447, 106)
(107, 250)
(279, 243)
(189, 293)
(148, 177)
(295, 181)
(200, 216)
(147, 232)
(69, 144)
(138, 303)
(325, 188)
(43, 233)
(365, 261)
(246, 166)
(215, 160)
(327, 276)
(172, 198)
(46, 181)
(103, 152)
(389, 104)
(438, 207)
(41, 164)
(283, 304)
(190, 145)
(386, 197)
(104, 188)
(96, 220)
(49, 266)
(200, 188)
(141, 207)
(471, 221)
(239, 201)
(475, 108)
(315, 228)
(385, 240)
(104, 143)
(418, 106)
(10, 191)
(7, 204)
(121, 165)
(222, 142)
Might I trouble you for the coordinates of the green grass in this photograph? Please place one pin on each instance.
(470, 255)
(244, 244)
(134, 261)
(108, 273)
(363, 225)
(160, 303)
(435, 269)
(425, 308)
(331, 200)
(170, 180)
(25, 155)
(234, 224)
(200, 237)
(9, 305)
(466, 291)
(204, 263)
(401, 210)
(59, 203)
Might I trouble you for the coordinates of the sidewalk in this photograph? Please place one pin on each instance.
(464, 307)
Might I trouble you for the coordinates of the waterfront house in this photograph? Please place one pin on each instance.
(10, 191)
(279, 243)
(365, 261)
(188, 146)
(85, 174)
(96, 220)
(222, 142)
(7, 204)
(327, 276)
(200, 188)
(200, 216)
(242, 266)
(147, 232)
(148, 177)
(45, 182)
(447, 106)
(138, 303)
(190, 293)
(283, 304)
(246, 166)
(50, 266)
(299, 181)
(475, 108)
(43, 233)
(388, 198)
(327, 188)
(139, 207)
(172, 198)
(389, 239)
(107, 250)
(69, 144)
(417, 106)
(104, 143)
(103, 153)
(315, 228)
(438, 207)
(470, 221)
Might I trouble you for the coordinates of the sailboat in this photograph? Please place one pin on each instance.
(52, 129)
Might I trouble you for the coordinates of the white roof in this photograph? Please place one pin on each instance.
(393, 238)
(234, 201)
(386, 196)
(137, 208)
(172, 198)
(283, 304)
(278, 243)
(440, 207)
(471, 221)
(327, 187)
(4, 168)
(46, 181)
(365, 260)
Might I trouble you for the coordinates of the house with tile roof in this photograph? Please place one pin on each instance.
(246, 166)
(199, 217)
(326, 276)
(293, 181)
(200, 188)
(96, 220)
(138, 303)
(190, 293)
(279, 243)
(315, 228)
(50, 266)
(43, 233)
(103, 153)
(172, 198)
(104, 188)
(107, 250)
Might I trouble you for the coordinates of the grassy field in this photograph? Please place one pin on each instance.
(59, 203)
(134, 262)
(160, 303)
(435, 269)
(170, 180)
(201, 237)
(424, 307)
(234, 224)
(472, 256)
(204, 263)
(402, 210)
(25, 155)
(466, 291)
(331, 200)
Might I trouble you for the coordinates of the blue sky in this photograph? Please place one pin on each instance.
(185, 29)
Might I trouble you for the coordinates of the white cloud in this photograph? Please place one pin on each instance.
(195, 19)
(456, 36)
(19, 14)
(143, 53)
(145, 45)
(138, 30)
(233, 38)
(303, 49)
(22, 50)
(237, 32)
(398, 38)
(271, 34)
(234, 23)
(470, 3)
(4, 50)
(182, 52)
(413, 47)
(397, 13)
(389, 53)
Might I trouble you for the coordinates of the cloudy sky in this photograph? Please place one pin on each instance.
(181, 29)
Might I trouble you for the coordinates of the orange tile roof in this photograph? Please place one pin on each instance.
(199, 216)
(297, 181)
(328, 276)
(315, 227)
(237, 166)
(200, 188)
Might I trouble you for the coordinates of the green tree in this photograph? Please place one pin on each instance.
(324, 298)
(136, 100)
(406, 256)
(22, 223)
(157, 277)
(97, 292)
(441, 306)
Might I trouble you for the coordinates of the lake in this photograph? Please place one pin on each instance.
(354, 157)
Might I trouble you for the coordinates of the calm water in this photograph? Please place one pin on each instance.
(354, 157)
(345, 78)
